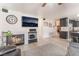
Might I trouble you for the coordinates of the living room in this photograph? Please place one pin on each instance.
(17, 29)
(35, 29)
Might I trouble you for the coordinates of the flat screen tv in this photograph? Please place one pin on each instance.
(29, 22)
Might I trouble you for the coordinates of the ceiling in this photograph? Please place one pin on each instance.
(34, 8)
(28, 8)
(51, 11)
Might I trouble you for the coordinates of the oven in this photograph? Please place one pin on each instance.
(32, 36)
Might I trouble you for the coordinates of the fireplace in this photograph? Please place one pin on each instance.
(17, 39)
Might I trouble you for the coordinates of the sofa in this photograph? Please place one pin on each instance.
(10, 51)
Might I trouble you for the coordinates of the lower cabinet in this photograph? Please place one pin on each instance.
(63, 34)
(75, 37)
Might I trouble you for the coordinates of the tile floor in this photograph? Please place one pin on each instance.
(53, 46)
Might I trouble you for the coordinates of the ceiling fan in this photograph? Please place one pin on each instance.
(60, 3)
(44, 4)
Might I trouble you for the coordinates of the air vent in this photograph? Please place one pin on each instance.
(4, 10)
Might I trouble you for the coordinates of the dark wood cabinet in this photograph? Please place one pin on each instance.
(64, 34)
(77, 23)
(75, 37)
(74, 23)
(63, 22)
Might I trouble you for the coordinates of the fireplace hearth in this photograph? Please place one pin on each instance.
(17, 39)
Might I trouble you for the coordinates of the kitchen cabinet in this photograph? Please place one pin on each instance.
(63, 22)
(74, 23)
(64, 34)
(75, 37)
(77, 23)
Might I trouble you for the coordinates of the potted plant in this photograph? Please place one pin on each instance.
(8, 34)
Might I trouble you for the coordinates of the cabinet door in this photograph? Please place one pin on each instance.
(63, 22)
(77, 23)
(73, 22)
(63, 34)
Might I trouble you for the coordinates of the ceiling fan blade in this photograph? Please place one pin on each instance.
(44, 4)
(60, 3)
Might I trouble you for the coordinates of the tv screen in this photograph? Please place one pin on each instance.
(29, 22)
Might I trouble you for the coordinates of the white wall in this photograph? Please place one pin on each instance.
(14, 28)
(70, 9)
(49, 12)
(18, 29)
(47, 30)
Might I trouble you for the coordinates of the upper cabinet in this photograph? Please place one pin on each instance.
(63, 22)
(75, 23)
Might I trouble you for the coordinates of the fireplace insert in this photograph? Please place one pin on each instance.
(17, 39)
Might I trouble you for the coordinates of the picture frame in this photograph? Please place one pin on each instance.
(45, 23)
(50, 25)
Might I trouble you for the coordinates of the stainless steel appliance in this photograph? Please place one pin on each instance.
(32, 36)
